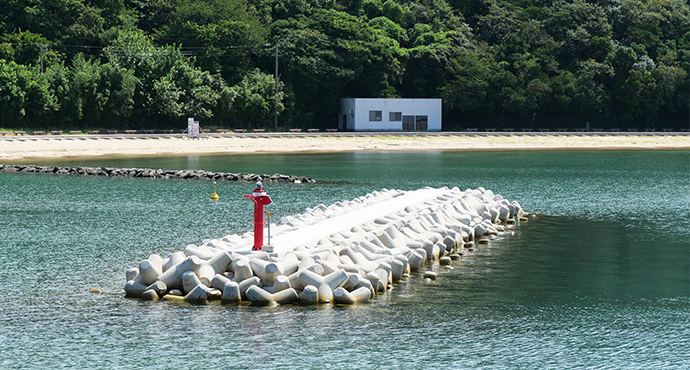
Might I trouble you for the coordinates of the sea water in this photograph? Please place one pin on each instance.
(598, 278)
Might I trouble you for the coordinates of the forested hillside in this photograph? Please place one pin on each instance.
(496, 63)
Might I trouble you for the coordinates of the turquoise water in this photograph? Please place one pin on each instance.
(600, 278)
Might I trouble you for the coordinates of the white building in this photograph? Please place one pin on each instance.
(358, 114)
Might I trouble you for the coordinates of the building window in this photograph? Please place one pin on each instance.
(375, 115)
(395, 116)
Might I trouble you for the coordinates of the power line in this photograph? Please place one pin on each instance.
(97, 49)
(312, 77)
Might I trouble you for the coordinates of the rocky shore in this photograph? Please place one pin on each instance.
(152, 173)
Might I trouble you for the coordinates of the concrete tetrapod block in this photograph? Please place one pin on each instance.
(175, 258)
(131, 273)
(316, 268)
(494, 214)
(342, 296)
(375, 280)
(189, 281)
(357, 258)
(205, 274)
(397, 270)
(449, 242)
(173, 276)
(148, 272)
(134, 288)
(332, 266)
(455, 211)
(422, 238)
(220, 261)
(371, 247)
(479, 230)
(244, 285)
(149, 295)
(201, 252)
(231, 293)
(363, 282)
(268, 271)
(345, 260)
(416, 261)
(516, 210)
(281, 283)
(198, 294)
(368, 255)
(405, 261)
(384, 278)
(157, 260)
(214, 294)
(242, 269)
(433, 251)
(328, 266)
(387, 275)
(158, 287)
(261, 297)
(309, 296)
(325, 284)
(401, 241)
(387, 240)
(441, 249)
(352, 281)
(219, 281)
(294, 278)
(503, 213)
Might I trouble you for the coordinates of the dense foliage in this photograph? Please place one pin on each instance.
(495, 63)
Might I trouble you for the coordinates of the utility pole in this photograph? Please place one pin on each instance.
(275, 115)
(41, 53)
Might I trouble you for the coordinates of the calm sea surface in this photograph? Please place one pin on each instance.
(600, 278)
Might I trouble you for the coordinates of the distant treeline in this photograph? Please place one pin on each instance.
(496, 63)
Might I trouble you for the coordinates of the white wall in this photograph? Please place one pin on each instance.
(346, 106)
(408, 107)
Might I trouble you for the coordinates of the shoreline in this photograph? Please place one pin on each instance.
(89, 146)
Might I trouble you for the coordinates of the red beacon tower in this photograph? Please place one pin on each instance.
(260, 199)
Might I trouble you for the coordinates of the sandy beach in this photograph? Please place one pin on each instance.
(43, 147)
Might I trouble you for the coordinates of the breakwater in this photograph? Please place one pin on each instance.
(344, 253)
(152, 173)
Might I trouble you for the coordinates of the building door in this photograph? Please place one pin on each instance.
(421, 123)
(408, 123)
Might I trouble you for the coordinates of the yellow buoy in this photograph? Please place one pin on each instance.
(214, 196)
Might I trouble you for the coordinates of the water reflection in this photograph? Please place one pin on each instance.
(599, 279)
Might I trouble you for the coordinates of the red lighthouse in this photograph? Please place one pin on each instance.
(260, 199)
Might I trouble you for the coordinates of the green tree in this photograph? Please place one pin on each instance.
(48, 18)
(333, 54)
(24, 48)
(475, 79)
(223, 35)
(90, 93)
(581, 29)
(650, 23)
(592, 97)
(87, 29)
(24, 95)
(255, 100)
